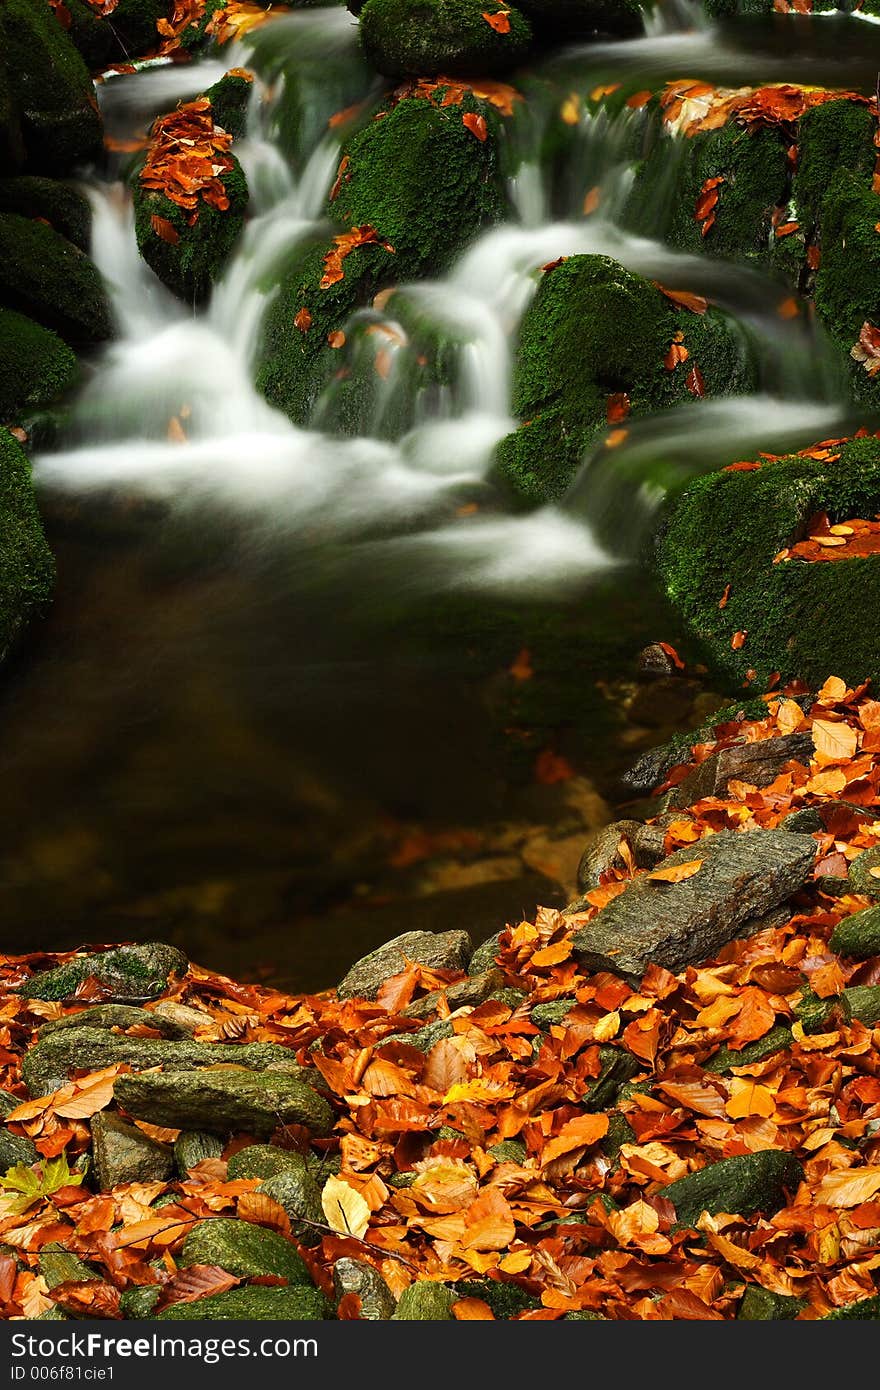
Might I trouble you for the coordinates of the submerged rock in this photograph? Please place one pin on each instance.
(223, 1101)
(741, 1185)
(593, 347)
(122, 1153)
(253, 1304)
(244, 1250)
(420, 38)
(128, 973)
(676, 924)
(357, 1277)
(450, 950)
(27, 570)
(796, 618)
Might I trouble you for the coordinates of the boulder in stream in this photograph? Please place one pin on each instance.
(741, 876)
(45, 276)
(50, 87)
(420, 38)
(27, 570)
(36, 366)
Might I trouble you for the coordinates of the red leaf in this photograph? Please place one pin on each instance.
(475, 124)
(196, 1281)
(164, 229)
(694, 382)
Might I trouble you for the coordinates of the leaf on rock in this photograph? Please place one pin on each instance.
(476, 124)
(345, 1209)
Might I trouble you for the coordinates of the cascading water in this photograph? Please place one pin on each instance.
(274, 576)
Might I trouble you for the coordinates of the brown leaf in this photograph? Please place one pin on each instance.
(164, 229)
(194, 1282)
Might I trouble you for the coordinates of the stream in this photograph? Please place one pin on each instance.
(294, 688)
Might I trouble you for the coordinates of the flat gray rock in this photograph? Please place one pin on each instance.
(123, 1153)
(448, 950)
(222, 1101)
(758, 763)
(677, 924)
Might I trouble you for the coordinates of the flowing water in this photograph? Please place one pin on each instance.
(280, 710)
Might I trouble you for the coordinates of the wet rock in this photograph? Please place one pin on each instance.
(602, 851)
(756, 763)
(592, 322)
(425, 1301)
(109, 1016)
(760, 1305)
(60, 204)
(90, 1049)
(817, 1015)
(192, 1146)
(296, 1190)
(44, 276)
(726, 1058)
(357, 1277)
(861, 879)
(676, 924)
(654, 661)
(230, 99)
(51, 89)
(449, 950)
(122, 1153)
(223, 1101)
(36, 366)
(420, 38)
(14, 1148)
(253, 1304)
(741, 1185)
(27, 570)
(190, 265)
(476, 989)
(130, 974)
(244, 1249)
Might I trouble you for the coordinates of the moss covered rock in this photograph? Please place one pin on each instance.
(45, 276)
(191, 264)
(799, 619)
(128, 973)
(727, 1058)
(420, 187)
(416, 38)
(244, 1250)
(253, 1304)
(760, 1305)
(741, 1185)
(27, 570)
(263, 1161)
(818, 1015)
(858, 936)
(63, 207)
(359, 1278)
(594, 341)
(296, 1190)
(425, 1301)
(863, 1003)
(837, 135)
(222, 1101)
(847, 289)
(51, 88)
(230, 99)
(36, 366)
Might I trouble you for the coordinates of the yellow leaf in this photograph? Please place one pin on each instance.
(835, 741)
(789, 716)
(552, 955)
(479, 1091)
(345, 1210)
(827, 783)
(571, 109)
(607, 1027)
(833, 691)
(731, 1252)
(516, 1263)
(677, 873)
(748, 1098)
(848, 1187)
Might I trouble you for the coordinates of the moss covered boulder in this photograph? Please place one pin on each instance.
(127, 973)
(220, 1102)
(425, 1301)
(36, 366)
(45, 276)
(129, 31)
(415, 187)
(244, 1250)
(253, 1303)
(63, 207)
(189, 258)
(417, 38)
(741, 1185)
(50, 87)
(597, 345)
(847, 289)
(27, 570)
(722, 535)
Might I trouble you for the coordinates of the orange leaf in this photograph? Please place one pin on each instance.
(552, 955)
(475, 124)
(576, 1134)
(500, 21)
(489, 1223)
(303, 320)
(472, 1310)
(196, 1281)
(165, 229)
(738, 640)
(676, 873)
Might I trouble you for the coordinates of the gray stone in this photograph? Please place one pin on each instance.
(181, 1016)
(471, 991)
(109, 1016)
(91, 1049)
(14, 1148)
(602, 851)
(128, 974)
(425, 1301)
(676, 924)
(450, 950)
(424, 1038)
(300, 1196)
(357, 1277)
(483, 957)
(192, 1146)
(223, 1101)
(252, 1304)
(756, 763)
(244, 1249)
(122, 1153)
(264, 1161)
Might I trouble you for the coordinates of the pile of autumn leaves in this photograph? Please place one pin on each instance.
(187, 157)
(536, 1216)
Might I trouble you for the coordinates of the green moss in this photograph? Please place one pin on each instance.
(264, 1161)
(230, 99)
(425, 1301)
(35, 365)
(244, 1250)
(190, 266)
(668, 183)
(427, 187)
(838, 135)
(44, 276)
(861, 879)
(725, 1059)
(618, 1066)
(128, 33)
(252, 1304)
(27, 570)
(414, 38)
(847, 290)
(863, 1003)
(866, 1310)
(759, 1305)
(51, 87)
(65, 208)
(741, 1185)
(138, 1301)
(141, 971)
(594, 330)
(800, 619)
(505, 1300)
(818, 1015)
(858, 936)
